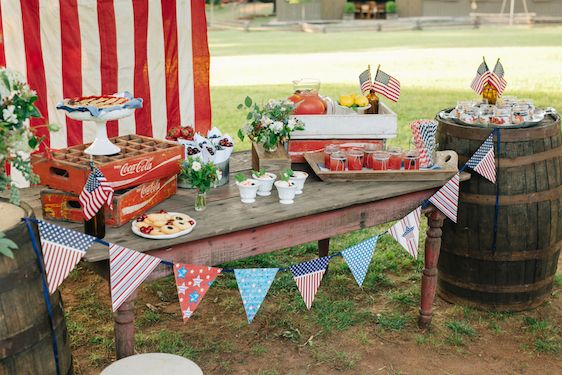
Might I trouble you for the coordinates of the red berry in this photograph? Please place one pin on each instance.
(187, 133)
(191, 222)
(141, 218)
(174, 132)
(163, 211)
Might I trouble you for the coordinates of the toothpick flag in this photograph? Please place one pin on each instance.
(483, 160)
(308, 276)
(62, 250)
(127, 270)
(496, 78)
(407, 232)
(365, 81)
(192, 282)
(358, 258)
(95, 194)
(387, 85)
(447, 198)
(254, 284)
(481, 78)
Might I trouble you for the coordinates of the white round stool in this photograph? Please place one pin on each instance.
(153, 364)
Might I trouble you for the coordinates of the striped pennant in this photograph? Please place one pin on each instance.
(407, 232)
(254, 283)
(127, 270)
(308, 276)
(447, 198)
(358, 258)
(62, 250)
(483, 160)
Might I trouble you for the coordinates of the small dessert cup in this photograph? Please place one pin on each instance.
(265, 183)
(395, 158)
(248, 189)
(329, 150)
(355, 160)
(412, 160)
(380, 160)
(338, 161)
(298, 178)
(286, 191)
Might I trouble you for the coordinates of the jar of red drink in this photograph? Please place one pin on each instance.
(329, 150)
(369, 150)
(412, 160)
(338, 161)
(355, 159)
(380, 160)
(395, 158)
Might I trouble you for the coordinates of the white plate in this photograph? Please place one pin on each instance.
(163, 236)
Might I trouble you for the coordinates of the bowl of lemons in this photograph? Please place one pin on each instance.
(352, 103)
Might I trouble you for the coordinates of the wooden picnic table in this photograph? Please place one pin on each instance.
(228, 229)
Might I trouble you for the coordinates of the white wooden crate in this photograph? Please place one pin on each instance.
(349, 126)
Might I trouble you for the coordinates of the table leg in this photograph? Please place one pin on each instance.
(124, 328)
(323, 247)
(429, 278)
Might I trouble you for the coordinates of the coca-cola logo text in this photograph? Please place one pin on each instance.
(142, 165)
(149, 189)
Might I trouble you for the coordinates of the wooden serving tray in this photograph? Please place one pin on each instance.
(447, 160)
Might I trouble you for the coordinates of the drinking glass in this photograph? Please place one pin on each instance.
(337, 161)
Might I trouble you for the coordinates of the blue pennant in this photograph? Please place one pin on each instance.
(254, 284)
(358, 257)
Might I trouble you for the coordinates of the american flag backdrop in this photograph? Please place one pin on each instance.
(156, 49)
(308, 276)
(387, 85)
(95, 194)
(62, 250)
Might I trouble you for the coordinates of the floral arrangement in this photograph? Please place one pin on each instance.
(200, 175)
(17, 139)
(270, 124)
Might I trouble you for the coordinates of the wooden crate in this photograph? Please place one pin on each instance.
(298, 147)
(127, 204)
(141, 159)
(273, 162)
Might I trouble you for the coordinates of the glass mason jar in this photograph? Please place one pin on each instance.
(520, 114)
(470, 115)
(338, 161)
(329, 150)
(395, 158)
(412, 160)
(502, 116)
(380, 160)
(200, 200)
(486, 113)
(355, 160)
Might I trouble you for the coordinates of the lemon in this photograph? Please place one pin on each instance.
(346, 100)
(361, 101)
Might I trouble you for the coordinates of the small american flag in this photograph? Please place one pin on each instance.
(387, 85)
(96, 192)
(496, 78)
(483, 160)
(481, 78)
(365, 81)
(62, 250)
(407, 232)
(446, 199)
(308, 276)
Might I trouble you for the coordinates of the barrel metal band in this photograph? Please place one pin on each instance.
(504, 255)
(497, 288)
(506, 200)
(523, 160)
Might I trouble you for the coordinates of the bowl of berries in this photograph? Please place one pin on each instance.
(163, 225)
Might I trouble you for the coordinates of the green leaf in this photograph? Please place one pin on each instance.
(240, 177)
(248, 101)
(32, 142)
(240, 134)
(240, 106)
(6, 245)
(249, 116)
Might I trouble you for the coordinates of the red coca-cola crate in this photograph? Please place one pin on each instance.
(298, 147)
(127, 204)
(141, 159)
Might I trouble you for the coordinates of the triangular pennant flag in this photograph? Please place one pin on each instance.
(447, 198)
(483, 160)
(308, 276)
(358, 258)
(254, 284)
(62, 250)
(407, 232)
(127, 270)
(192, 282)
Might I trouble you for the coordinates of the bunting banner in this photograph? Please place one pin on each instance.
(254, 283)
(483, 160)
(308, 276)
(193, 282)
(446, 199)
(62, 250)
(127, 270)
(358, 258)
(407, 232)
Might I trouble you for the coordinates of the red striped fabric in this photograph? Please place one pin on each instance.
(447, 198)
(157, 50)
(308, 286)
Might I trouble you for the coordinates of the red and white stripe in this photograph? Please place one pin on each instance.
(127, 270)
(390, 90)
(498, 82)
(308, 286)
(59, 261)
(479, 81)
(447, 198)
(487, 166)
(425, 161)
(157, 50)
(398, 229)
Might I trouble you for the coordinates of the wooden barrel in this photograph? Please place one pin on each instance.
(519, 274)
(25, 334)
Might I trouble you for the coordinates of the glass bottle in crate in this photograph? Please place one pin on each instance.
(374, 102)
(490, 93)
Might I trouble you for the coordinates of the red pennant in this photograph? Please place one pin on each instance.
(192, 282)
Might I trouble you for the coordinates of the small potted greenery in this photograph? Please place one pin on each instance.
(265, 180)
(390, 10)
(269, 125)
(201, 176)
(299, 177)
(349, 11)
(286, 188)
(247, 187)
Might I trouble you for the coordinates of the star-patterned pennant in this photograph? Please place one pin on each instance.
(254, 284)
(358, 258)
(192, 282)
(308, 276)
(407, 232)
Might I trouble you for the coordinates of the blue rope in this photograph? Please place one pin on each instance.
(497, 206)
(45, 292)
